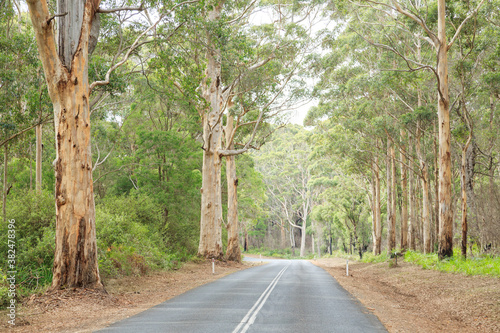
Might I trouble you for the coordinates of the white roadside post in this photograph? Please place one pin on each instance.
(347, 267)
(213, 266)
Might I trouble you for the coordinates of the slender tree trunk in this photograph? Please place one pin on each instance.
(389, 194)
(378, 210)
(5, 189)
(38, 163)
(404, 188)
(411, 203)
(391, 231)
(303, 229)
(75, 258)
(211, 201)
(436, 185)
(425, 196)
(445, 209)
(233, 251)
(374, 208)
(464, 196)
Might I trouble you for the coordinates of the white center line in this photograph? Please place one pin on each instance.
(252, 314)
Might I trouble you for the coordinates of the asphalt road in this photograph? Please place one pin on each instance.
(291, 296)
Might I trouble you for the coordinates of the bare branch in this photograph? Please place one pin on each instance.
(56, 15)
(114, 10)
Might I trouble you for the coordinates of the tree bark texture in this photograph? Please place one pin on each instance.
(233, 251)
(391, 230)
(445, 186)
(75, 259)
(211, 201)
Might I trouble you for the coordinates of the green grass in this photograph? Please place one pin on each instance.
(485, 265)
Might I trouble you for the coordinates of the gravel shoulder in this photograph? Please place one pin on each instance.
(407, 298)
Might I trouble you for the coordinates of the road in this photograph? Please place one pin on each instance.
(291, 296)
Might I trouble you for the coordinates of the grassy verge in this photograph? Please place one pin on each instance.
(484, 265)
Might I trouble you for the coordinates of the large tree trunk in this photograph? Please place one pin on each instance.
(404, 188)
(211, 201)
(75, 259)
(38, 163)
(233, 251)
(445, 211)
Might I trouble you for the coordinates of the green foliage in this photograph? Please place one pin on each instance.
(485, 265)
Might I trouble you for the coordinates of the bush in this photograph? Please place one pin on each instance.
(34, 216)
(126, 245)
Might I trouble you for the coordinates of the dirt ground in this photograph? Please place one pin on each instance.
(88, 310)
(407, 298)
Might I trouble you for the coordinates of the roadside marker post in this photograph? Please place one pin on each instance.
(213, 266)
(347, 267)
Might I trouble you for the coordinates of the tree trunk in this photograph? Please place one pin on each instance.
(211, 201)
(283, 235)
(303, 233)
(233, 251)
(38, 163)
(445, 211)
(436, 185)
(374, 209)
(378, 231)
(5, 168)
(425, 196)
(391, 230)
(389, 193)
(75, 258)
(404, 188)
(464, 196)
(411, 204)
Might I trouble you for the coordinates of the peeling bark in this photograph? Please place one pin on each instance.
(211, 202)
(75, 258)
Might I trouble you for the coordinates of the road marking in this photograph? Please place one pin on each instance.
(252, 314)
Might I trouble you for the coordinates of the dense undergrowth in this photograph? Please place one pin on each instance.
(132, 239)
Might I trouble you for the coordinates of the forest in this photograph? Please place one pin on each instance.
(140, 135)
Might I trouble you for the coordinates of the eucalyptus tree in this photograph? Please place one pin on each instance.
(285, 164)
(407, 16)
(65, 58)
(235, 52)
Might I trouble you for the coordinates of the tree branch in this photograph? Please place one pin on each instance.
(463, 23)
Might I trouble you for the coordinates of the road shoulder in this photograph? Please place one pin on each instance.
(410, 299)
